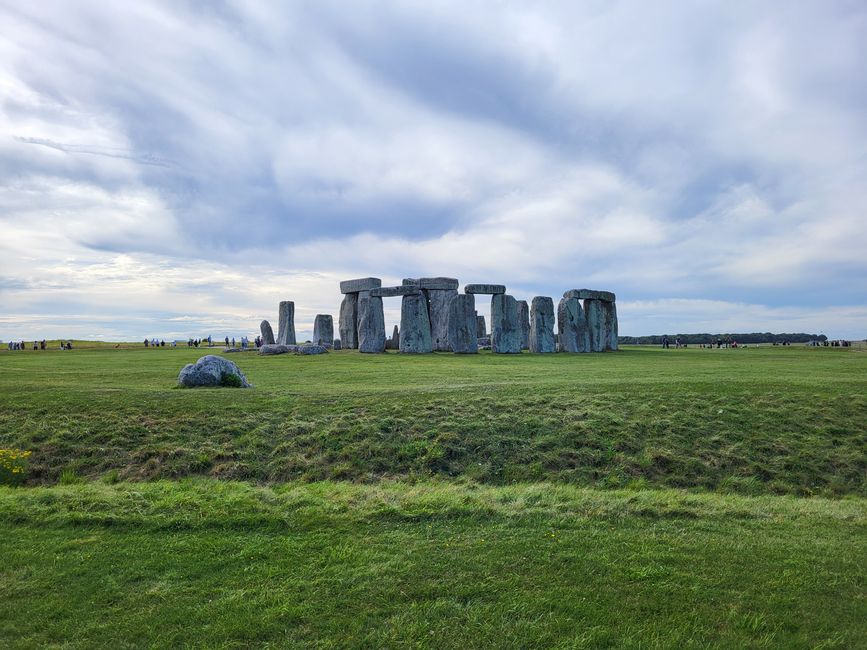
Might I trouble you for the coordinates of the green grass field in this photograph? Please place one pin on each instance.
(649, 498)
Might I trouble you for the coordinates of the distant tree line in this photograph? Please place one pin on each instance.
(755, 337)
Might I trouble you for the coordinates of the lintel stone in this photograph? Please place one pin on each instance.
(390, 292)
(589, 294)
(490, 289)
(360, 284)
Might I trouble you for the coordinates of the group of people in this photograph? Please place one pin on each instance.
(677, 343)
(194, 343)
(37, 345)
(154, 343)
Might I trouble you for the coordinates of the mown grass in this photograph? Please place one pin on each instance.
(754, 421)
(223, 564)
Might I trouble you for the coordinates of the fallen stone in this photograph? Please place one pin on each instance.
(594, 314)
(311, 349)
(371, 324)
(391, 292)
(490, 289)
(542, 325)
(276, 348)
(267, 333)
(462, 324)
(585, 294)
(286, 323)
(323, 330)
(359, 285)
(347, 322)
(414, 334)
(524, 323)
(505, 329)
(212, 370)
(572, 326)
(481, 327)
(438, 310)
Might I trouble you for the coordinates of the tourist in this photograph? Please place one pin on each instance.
(665, 342)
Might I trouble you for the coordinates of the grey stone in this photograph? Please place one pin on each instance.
(610, 327)
(505, 329)
(211, 370)
(371, 324)
(584, 294)
(594, 314)
(481, 327)
(484, 342)
(323, 330)
(490, 289)
(524, 322)
(286, 323)
(414, 325)
(438, 310)
(572, 326)
(391, 292)
(267, 333)
(462, 324)
(360, 284)
(337, 344)
(393, 343)
(542, 325)
(311, 349)
(276, 348)
(347, 322)
(433, 284)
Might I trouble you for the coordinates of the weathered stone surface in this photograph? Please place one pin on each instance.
(394, 342)
(414, 325)
(212, 370)
(435, 284)
(481, 327)
(286, 323)
(591, 294)
(360, 284)
(491, 289)
(594, 314)
(572, 326)
(505, 329)
(462, 324)
(610, 327)
(524, 323)
(371, 324)
(267, 333)
(276, 348)
(390, 292)
(542, 325)
(438, 309)
(311, 349)
(323, 330)
(347, 322)
(337, 344)
(484, 342)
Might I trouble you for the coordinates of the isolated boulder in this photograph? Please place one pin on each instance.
(212, 371)
(311, 349)
(276, 348)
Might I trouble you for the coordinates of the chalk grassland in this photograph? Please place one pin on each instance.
(754, 421)
(212, 563)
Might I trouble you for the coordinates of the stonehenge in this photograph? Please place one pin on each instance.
(286, 323)
(572, 326)
(347, 321)
(505, 328)
(463, 325)
(415, 329)
(267, 333)
(542, 325)
(491, 289)
(323, 330)
(481, 327)
(524, 323)
(371, 323)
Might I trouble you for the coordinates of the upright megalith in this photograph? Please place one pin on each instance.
(347, 322)
(481, 327)
(610, 328)
(524, 323)
(505, 328)
(414, 325)
(438, 309)
(393, 343)
(371, 323)
(323, 330)
(267, 333)
(600, 311)
(594, 314)
(542, 325)
(572, 326)
(462, 325)
(286, 323)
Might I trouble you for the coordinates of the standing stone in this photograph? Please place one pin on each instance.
(438, 310)
(395, 338)
(347, 322)
(338, 345)
(267, 333)
(610, 332)
(505, 329)
(414, 325)
(524, 322)
(481, 327)
(594, 313)
(572, 326)
(286, 323)
(323, 330)
(371, 324)
(542, 325)
(462, 324)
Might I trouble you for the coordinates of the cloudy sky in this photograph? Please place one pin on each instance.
(177, 168)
